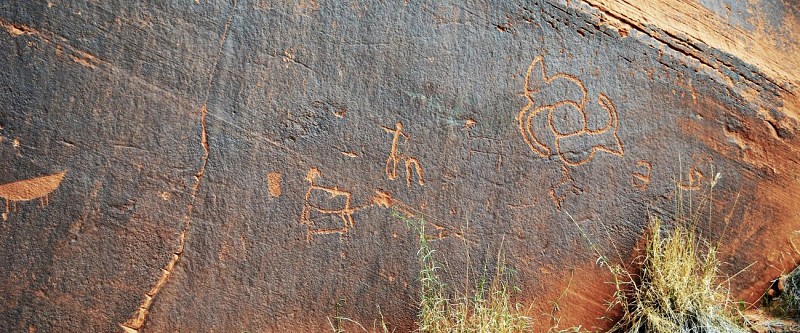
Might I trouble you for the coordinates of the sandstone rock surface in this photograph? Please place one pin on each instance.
(232, 166)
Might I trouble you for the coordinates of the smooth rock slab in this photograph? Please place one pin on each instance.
(234, 166)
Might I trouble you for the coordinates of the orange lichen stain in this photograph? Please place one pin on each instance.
(29, 189)
(274, 184)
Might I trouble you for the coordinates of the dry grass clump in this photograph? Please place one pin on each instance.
(677, 289)
(677, 286)
(783, 299)
(489, 309)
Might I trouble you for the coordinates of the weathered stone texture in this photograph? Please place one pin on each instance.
(232, 166)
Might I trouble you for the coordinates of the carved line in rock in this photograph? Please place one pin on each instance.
(30, 189)
(694, 182)
(274, 184)
(487, 146)
(381, 197)
(337, 109)
(639, 179)
(566, 184)
(80, 57)
(139, 317)
(536, 79)
(396, 157)
(343, 213)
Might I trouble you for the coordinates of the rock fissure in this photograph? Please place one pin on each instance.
(137, 321)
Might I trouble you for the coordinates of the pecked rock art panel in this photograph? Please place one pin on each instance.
(557, 110)
(236, 166)
(30, 189)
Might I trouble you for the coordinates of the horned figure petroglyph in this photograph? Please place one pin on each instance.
(30, 189)
(558, 118)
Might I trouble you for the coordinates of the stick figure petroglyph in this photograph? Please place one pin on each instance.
(396, 157)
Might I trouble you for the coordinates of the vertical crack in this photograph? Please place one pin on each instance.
(138, 319)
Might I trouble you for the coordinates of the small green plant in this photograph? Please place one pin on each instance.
(337, 323)
(489, 309)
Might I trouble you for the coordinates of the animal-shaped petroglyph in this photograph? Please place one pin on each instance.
(396, 157)
(559, 119)
(327, 210)
(30, 189)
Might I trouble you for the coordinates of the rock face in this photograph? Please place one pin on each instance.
(233, 166)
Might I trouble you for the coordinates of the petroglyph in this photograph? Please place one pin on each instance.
(640, 179)
(383, 199)
(395, 156)
(274, 184)
(566, 185)
(557, 119)
(327, 210)
(80, 57)
(694, 182)
(30, 189)
(411, 161)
